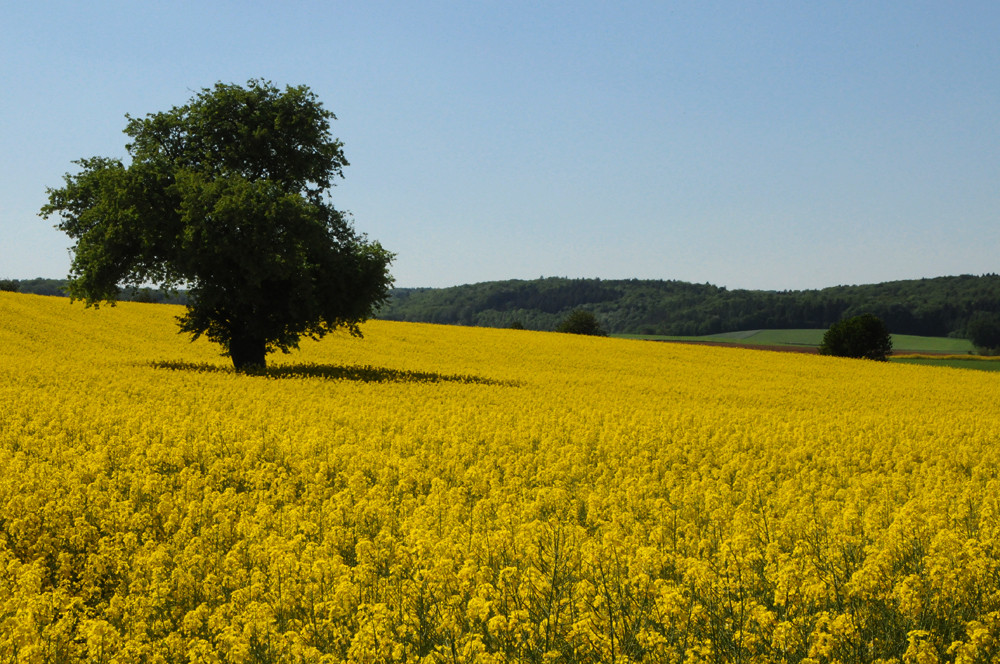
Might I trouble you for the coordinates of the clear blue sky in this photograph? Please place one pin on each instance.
(773, 145)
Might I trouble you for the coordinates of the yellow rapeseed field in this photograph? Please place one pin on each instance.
(444, 494)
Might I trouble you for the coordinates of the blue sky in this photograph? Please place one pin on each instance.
(772, 145)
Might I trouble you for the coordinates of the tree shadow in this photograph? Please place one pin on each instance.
(363, 373)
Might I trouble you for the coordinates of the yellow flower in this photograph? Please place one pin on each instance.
(433, 493)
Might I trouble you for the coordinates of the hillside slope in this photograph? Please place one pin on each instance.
(504, 495)
(937, 307)
(928, 307)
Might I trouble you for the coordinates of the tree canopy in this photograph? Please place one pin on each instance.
(984, 331)
(581, 321)
(864, 337)
(229, 197)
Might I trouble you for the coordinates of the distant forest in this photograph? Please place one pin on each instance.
(58, 287)
(930, 307)
(936, 307)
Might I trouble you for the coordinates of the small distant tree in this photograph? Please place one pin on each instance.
(983, 331)
(11, 285)
(864, 336)
(581, 321)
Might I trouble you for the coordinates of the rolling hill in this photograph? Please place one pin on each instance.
(937, 307)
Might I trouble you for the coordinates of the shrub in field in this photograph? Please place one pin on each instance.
(984, 332)
(864, 336)
(582, 321)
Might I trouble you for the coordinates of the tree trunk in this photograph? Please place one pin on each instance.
(248, 353)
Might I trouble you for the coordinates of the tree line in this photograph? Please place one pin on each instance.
(942, 306)
(939, 307)
(42, 286)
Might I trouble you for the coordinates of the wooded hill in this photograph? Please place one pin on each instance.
(930, 307)
(42, 286)
(936, 307)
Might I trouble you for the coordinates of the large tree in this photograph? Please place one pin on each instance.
(228, 196)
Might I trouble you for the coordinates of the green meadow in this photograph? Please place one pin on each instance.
(903, 345)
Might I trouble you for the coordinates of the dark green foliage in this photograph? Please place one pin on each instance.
(59, 287)
(581, 321)
(864, 337)
(928, 307)
(984, 331)
(152, 295)
(41, 286)
(10, 285)
(227, 195)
